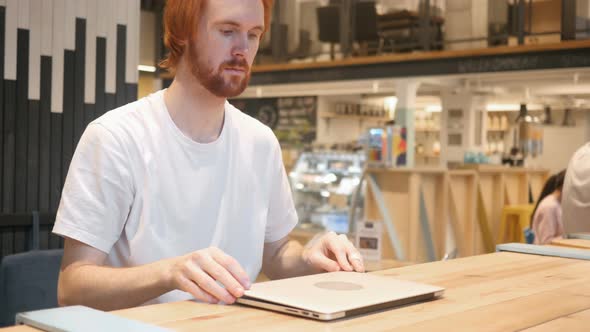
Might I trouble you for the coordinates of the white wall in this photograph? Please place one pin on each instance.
(560, 143)
(583, 8)
(147, 55)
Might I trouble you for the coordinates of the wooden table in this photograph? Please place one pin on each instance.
(572, 243)
(501, 291)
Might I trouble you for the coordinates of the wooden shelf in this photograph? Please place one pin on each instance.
(351, 116)
(422, 56)
(427, 130)
(497, 130)
(427, 155)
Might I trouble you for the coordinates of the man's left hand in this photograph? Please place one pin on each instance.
(332, 253)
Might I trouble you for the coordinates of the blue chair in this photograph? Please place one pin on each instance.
(29, 282)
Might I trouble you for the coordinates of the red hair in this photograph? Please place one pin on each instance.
(180, 25)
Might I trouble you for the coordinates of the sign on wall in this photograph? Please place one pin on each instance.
(293, 119)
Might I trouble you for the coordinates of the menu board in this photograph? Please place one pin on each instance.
(293, 119)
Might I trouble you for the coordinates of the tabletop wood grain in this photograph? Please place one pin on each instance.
(495, 292)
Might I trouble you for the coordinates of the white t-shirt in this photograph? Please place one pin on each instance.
(575, 200)
(139, 190)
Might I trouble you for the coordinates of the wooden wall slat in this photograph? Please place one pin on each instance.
(57, 61)
(101, 49)
(9, 145)
(68, 111)
(80, 58)
(121, 63)
(7, 242)
(110, 101)
(2, 34)
(22, 118)
(33, 150)
(56, 160)
(35, 48)
(132, 46)
(45, 135)
(111, 57)
(11, 27)
(131, 93)
(90, 61)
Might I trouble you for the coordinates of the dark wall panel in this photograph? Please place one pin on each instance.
(89, 110)
(79, 116)
(131, 92)
(121, 56)
(9, 157)
(2, 34)
(20, 239)
(33, 157)
(56, 160)
(45, 134)
(7, 242)
(37, 145)
(21, 129)
(68, 111)
(110, 101)
(101, 49)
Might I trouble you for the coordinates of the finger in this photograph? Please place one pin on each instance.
(190, 287)
(337, 246)
(232, 265)
(206, 283)
(355, 258)
(319, 260)
(219, 273)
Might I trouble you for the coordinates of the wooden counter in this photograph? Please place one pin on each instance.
(425, 204)
(572, 243)
(493, 292)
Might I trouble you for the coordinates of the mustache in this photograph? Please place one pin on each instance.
(236, 63)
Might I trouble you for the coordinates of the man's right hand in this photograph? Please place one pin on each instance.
(200, 273)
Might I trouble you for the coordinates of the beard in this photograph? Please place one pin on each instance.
(214, 80)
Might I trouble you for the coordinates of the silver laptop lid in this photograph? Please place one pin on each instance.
(338, 291)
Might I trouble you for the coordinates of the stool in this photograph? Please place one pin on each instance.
(515, 219)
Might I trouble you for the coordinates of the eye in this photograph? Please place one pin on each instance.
(253, 36)
(227, 32)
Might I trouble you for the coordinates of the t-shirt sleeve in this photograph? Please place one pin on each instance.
(576, 193)
(282, 216)
(98, 191)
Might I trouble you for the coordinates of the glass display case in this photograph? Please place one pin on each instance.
(323, 184)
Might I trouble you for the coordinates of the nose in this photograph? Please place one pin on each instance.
(241, 48)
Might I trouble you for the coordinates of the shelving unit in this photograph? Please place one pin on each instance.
(352, 116)
(328, 116)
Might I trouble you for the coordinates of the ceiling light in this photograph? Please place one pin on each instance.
(502, 107)
(433, 108)
(375, 87)
(145, 68)
(389, 103)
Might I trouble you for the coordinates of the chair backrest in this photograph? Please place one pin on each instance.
(329, 23)
(28, 282)
(366, 21)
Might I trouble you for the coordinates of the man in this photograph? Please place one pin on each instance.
(179, 194)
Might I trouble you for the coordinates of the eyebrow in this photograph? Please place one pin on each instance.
(236, 24)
